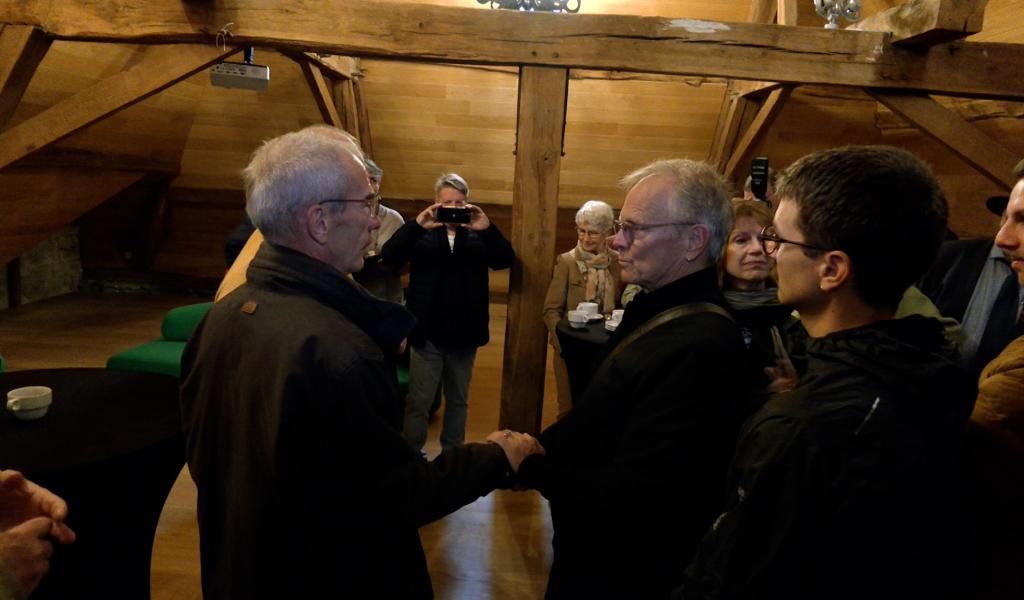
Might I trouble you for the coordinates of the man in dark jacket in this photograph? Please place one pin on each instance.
(971, 281)
(844, 487)
(291, 407)
(634, 473)
(448, 293)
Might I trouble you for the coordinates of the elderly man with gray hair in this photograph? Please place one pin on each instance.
(291, 408)
(449, 246)
(634, 474)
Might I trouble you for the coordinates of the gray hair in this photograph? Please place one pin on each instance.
(375, 172)
(452, 180)
(701, 195)
(596, 213)
(291, 172)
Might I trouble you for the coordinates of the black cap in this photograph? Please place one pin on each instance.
(997, 204)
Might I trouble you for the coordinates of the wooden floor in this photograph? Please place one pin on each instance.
(498, 547)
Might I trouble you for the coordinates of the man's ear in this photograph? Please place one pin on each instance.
(315, 221)
(697, 239)
(835, 270)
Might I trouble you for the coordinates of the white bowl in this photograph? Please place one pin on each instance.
(28, 414)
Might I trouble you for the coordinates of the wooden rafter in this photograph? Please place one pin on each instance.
(968, 142)
(159, 68)
(628, 43)
(542, 95)
(969, 110)
(320, 87)
(22, 48)
(758, 127)
(345, 102)
(919, 23)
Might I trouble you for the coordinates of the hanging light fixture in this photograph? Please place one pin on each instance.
(831, 10)
(555, 6)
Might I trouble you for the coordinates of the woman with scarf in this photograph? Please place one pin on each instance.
(748, 287)
(587, 273)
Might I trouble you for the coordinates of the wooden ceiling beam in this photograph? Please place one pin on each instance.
(159, 68)
(758, 127)
(946, 127)
(969, 110)
(22, 48)
(798, 55)
(921, 23)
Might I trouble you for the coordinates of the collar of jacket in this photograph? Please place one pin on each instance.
(288, 271)
(701, 286)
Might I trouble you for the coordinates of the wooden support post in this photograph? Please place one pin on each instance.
(159, 68)
(948, 128)
(345, 100)
(365, 137)
(22, 48)
(542, 101)
(758, 127)
(321, 90)
(787, 13)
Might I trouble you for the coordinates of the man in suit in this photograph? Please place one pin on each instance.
(972, 282)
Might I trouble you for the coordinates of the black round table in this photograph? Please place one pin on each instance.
(579, 349)
(111, 445)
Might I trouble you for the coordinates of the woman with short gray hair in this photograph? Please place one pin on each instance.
(587, 273)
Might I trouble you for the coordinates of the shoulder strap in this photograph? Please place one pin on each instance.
(666, 316)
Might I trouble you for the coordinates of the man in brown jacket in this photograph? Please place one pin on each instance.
(291, 406)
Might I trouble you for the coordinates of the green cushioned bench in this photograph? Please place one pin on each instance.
(163, 355)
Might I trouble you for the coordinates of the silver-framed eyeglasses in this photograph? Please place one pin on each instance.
(372, 203)
(629, 229)
(770, 242)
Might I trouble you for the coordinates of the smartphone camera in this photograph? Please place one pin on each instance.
(759, 178)
(453, 214)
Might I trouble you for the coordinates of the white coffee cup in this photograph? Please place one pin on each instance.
(29, 402)
(617, 314)
(578, 318)
(588, 307)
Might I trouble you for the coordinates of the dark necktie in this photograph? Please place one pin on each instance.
(1003, 323)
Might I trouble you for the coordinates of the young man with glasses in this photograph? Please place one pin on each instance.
(634, 473)
(291, 408)
(844, 487)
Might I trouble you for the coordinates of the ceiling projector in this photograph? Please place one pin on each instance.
(241, 75)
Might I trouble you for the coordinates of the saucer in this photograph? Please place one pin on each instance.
(595, 317)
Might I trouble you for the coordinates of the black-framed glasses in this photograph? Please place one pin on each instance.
(370, 203)
(770, 242)
(629, 230)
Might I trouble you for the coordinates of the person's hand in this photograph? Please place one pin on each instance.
(517, 446)
(783, 376)
(25, 552)
(478, 221)
(428, 218)
(21, 500)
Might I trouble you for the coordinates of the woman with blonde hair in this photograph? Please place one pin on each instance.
(587, 273)
(749, 288)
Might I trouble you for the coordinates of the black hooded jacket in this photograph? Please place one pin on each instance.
(847, 486)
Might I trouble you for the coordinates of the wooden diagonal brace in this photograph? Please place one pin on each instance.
(159, 68)
(22, 48)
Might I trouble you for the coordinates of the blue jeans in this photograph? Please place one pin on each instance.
(430, 367)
